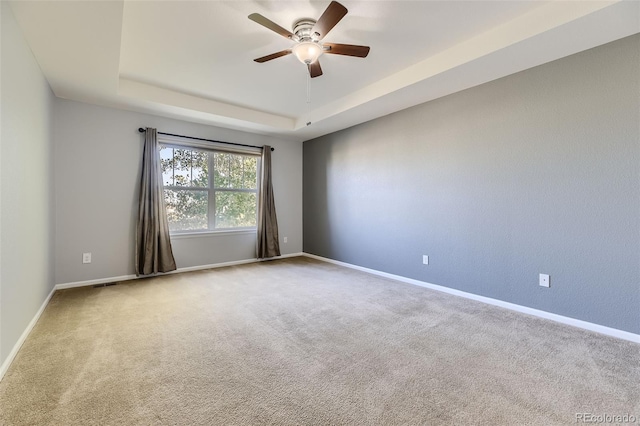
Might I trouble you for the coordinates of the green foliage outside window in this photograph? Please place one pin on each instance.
(197, 200)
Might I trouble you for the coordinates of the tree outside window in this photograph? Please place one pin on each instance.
(209, 190)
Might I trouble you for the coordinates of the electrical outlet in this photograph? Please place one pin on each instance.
(545, 281)
(285, 240)
(425, 259)
(86, 257)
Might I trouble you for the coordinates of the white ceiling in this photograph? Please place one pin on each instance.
(193, 60)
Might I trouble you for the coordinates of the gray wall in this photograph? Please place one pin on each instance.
(538, 172)
(26, 188)
(97, 167)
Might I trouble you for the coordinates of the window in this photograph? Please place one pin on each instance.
(209, 190)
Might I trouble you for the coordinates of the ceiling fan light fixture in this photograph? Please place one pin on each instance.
(307, 52)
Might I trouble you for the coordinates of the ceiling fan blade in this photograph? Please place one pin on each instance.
(273, 56)
(256, 17)
(346, 49)
(314, 69)
(331, 16)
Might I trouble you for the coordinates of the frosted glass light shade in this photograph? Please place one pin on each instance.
(307, 52)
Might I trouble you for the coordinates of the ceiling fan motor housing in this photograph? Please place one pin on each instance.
(303, 30)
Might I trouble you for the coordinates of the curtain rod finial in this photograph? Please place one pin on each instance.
(141, 130)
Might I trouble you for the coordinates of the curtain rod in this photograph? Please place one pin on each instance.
(142, 130)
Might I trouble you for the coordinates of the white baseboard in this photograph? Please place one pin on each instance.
(94, 282)
(7, 362)
(177, 271)
(614, 332)
(284, 256)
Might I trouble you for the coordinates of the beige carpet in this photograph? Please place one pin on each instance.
(297, 341)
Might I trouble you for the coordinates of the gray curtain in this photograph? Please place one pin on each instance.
(153, 246)
(268, 244)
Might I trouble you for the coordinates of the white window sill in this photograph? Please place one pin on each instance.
(217, 233)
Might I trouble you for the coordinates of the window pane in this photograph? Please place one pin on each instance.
(182, 167)
(186, 209)
(221, 167)
(235, 209)
(235, 171)
(250, 172)
(166, 162)
(200, 169)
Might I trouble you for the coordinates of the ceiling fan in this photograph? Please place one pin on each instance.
(308, 35)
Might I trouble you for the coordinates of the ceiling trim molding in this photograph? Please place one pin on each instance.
(79, 47)
(525, 27)
(138, 90)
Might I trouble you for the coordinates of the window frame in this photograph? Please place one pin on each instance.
(210, 149)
